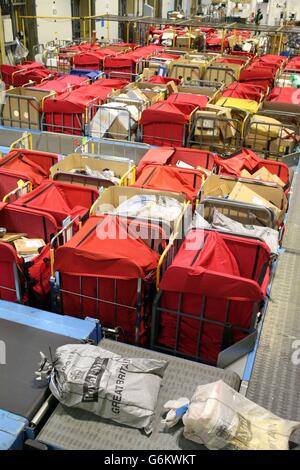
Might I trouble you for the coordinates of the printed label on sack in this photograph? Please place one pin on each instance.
(92, 380)
(242, 437)
(119, 388)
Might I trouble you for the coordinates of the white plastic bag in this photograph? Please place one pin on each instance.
(20, 51)
(151, 206)
(268, 235)
(219, 417)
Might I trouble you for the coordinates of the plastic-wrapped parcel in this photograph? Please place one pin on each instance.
(122, 389)
(220, 418)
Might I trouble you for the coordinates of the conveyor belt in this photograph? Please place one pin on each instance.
(275, 379)
(19, 392)
(75, 429)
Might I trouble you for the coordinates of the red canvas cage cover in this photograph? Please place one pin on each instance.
(171, 178)
(171, 155)
(93, 59)
(26, 165)
(62, 84)
(250, 55)
(165, 56)
(163, 123)
(245, 91)
(10, 264)
(19, 75)
(78, 100)
(287, 95)
(229, 60)
(100, 269)
(293, 64)
(270, 59)
(257, 74)
(93, 251)
(60, 200)
(224, 274)
(163, 80)
(35, 223)
(127, 61)
(81, 47)
(114, 83)
(35, 281)
(247, 159)
(179, 99)
(65, 113)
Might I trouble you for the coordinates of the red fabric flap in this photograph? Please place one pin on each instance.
(106, 248)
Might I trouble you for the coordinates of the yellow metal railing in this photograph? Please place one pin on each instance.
(163, 257)
(129, 177)
(23, 188)
(26, 139)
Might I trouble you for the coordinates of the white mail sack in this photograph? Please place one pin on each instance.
(122, 389)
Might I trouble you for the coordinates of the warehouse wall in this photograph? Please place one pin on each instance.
(48, 30)
(167, 5)
(274, 11)
(111, 30)
(244, 10)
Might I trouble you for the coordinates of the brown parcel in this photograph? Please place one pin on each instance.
(22, 107)
(283, 146)
(28, 246)
(227, 126)
(242, 193)
(265, 175)
(10, 237)
(245, 174)
(218, 119)
(267, 191)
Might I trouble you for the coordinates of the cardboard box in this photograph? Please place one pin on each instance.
(79, 162)
(245, 174)
(187, 69)
(131, 95)
(172, 87)
(214, 186)
(107, 114)
(205, 119)
(28, 246)
(22, 107)
(222, 73)
(147, 73)
(273, 194)
(208, 135)
(242, 193)
(219, 118)
(226, 123)
(10, 237)
(154, 96)
(210, 92)
(135, 94)
(265, 175)
(185, 41)
(119, 129)
(265, 127)
(282, 146)
(254, 142)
